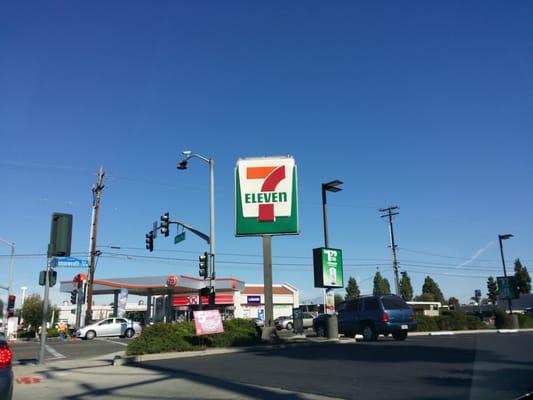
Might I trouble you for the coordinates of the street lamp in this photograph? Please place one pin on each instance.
(333, 187)
(501, 238)
(11, 262)
(182, 165)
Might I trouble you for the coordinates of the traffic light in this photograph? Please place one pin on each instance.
(60, 235)
(165, 222)
(52, 278)
(73, 296)
(11, 305)
(203, 265)
(150, 241)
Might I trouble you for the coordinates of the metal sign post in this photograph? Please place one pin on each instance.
(266, 204)
(269, 328)
(45, 313)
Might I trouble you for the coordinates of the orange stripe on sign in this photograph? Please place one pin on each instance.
(258, 172)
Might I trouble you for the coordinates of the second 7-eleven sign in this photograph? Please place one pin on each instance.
(266, 196)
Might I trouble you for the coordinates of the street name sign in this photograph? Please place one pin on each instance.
(179, 238)
(69, 262)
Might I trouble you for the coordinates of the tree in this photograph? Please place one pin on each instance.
(352, 289)
(386, 286)
(32, 311)
(381, 285)
(453, 303)
(425, 297)
(406, 289)
(523, 280)
(431, 287)
(492, 290)
(338, 299)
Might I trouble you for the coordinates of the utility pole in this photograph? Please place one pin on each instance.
(97, 191)
(389, 214)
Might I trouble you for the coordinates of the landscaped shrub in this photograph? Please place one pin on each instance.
(525, 321)
(448, 321)
(181, 336)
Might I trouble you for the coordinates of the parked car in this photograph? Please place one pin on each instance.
(288, 323)
(258, 322)
(371, 316)
(6, 371)
(284, 322)
(109, 327)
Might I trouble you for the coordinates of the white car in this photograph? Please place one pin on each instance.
(109, 327)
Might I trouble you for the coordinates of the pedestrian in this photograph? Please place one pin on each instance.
(62, 330)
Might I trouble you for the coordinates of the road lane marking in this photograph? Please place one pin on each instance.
(112, 341)
(53, 352)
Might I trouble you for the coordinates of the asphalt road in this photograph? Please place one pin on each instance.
(484, 366)
(29, 351)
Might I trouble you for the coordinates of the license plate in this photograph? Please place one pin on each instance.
(405, 327)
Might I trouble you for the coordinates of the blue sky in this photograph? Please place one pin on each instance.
(423, 105)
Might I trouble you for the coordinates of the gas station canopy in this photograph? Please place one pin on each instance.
(156, 285)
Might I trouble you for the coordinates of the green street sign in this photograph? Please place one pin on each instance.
(179, 238)
(507, 288)
(327, 265)
(266, 196)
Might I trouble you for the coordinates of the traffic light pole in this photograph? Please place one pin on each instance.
(45, 313)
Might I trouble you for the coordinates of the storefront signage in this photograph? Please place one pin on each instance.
(208, 322)
(327, 264)
(266, 196)
(253, 299)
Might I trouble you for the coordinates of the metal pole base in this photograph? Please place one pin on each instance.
(269, 334)
(333, 328)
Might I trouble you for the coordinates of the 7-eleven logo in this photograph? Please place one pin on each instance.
(265, 188)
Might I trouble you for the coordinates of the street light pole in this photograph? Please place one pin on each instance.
(11, 263)
(501, 238)
(327, 187)
(183, 165)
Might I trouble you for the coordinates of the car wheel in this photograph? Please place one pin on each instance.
(129, 333)
(399, 336)
(321, 331)
(90, 335)
(289, 326)
(369, 333)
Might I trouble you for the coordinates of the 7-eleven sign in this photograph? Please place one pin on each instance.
(266, 196)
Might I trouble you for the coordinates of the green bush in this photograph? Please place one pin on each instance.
(525, 321)
(448, 321)
(426, 324)
(181, 336)
(503, 320)
(160, 338)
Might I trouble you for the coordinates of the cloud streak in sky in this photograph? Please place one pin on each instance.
(477, 254)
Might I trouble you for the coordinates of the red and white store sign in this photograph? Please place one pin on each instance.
(193, 300)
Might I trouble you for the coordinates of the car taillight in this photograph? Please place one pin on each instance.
(5, 357)
(385, 317)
